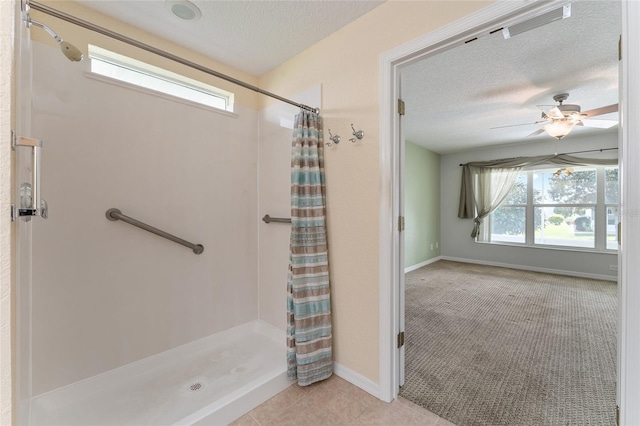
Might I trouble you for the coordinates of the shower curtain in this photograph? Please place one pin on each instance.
(309, 348)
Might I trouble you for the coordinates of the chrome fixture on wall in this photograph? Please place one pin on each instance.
(69, 50)
(28, 198)
(358, 134)
(335, 139)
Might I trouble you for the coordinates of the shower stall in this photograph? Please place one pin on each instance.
(117, 325)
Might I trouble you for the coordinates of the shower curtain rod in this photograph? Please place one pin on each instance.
(82, 23)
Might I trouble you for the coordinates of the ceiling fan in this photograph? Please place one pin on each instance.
(561, 119)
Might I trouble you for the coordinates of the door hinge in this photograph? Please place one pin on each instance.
(619, 233)
(400, 107)
(400, 223)
(620, 48)
(618, 415)
(400, 339)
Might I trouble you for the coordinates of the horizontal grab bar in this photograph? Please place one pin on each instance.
(115, 214)
(269, 219)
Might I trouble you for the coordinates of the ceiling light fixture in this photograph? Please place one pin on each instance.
(183, 9)
(560, 128)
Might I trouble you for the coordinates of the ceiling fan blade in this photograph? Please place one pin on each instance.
(600, 124)
(555, 113)
(600, 111)
(512, 125)
(537, 132)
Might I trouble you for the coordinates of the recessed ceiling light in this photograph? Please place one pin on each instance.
(183, 9)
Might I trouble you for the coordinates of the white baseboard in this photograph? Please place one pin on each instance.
(357, 379)
(421, 264)
(532, 268)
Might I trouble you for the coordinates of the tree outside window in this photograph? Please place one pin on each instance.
(565, 207)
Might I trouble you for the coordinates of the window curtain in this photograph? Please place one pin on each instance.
(485, 184)
(492, 187)
(309, 339)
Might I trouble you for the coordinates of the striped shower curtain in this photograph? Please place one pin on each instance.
(309, 351)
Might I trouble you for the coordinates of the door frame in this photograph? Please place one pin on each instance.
(628, 382)
(391, 271)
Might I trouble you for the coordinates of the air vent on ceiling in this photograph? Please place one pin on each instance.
(554, 15)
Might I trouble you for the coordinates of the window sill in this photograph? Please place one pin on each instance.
(555, 248)
(152, 92)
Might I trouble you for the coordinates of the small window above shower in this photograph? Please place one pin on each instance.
(122, 68)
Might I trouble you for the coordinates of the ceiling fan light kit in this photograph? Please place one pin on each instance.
(565, 117)
(559, 128)
(562, 118)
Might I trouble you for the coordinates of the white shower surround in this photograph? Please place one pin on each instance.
(105, 293)
(108, 296)
(213, 380)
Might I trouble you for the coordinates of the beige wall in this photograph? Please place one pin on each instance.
(347, 65)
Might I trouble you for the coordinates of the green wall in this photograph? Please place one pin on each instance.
(421, 205)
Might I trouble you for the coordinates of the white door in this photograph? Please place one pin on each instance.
(629, 250)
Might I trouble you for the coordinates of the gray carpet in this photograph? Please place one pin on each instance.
(497, 346)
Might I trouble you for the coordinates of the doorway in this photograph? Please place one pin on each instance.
(391, 266)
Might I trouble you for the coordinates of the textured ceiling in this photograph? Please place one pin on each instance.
(454, 98)
(253, 36)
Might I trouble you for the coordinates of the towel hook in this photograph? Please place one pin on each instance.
(359, 134)
(335, 139)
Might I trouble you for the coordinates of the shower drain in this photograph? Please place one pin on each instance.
(194, 387)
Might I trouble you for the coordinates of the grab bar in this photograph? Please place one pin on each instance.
(115, 214)
(269, 219)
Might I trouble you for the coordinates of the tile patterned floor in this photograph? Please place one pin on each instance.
(336, 402)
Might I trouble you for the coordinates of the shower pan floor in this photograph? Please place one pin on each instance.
(211, 380)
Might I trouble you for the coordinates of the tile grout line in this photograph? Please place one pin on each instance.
(304, 394)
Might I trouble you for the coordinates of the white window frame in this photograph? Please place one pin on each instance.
(111, 65)
(599, 207)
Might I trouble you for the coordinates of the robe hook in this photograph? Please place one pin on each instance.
(335, 139)
(359, 134)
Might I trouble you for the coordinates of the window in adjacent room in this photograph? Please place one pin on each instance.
(129, 70)
(508, 222)
(573, 207)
